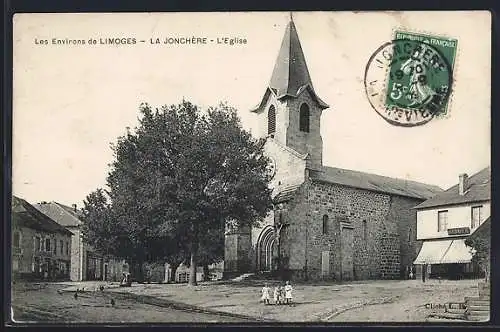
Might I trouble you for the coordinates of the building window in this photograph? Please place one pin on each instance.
(61, 244)
(38, 243)
(442, 221)
(17, 239)
(67, 248)
(47, 245)
(325, 224)
(476, 216)
(304, 118)
(271, 120)
(409, 235)
(55, 247)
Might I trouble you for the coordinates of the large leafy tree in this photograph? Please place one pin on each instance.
(179, 179)
(98, 227)
(480, 241)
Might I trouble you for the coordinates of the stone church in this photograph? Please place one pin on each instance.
(327, 223)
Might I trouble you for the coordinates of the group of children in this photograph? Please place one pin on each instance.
(281, 295)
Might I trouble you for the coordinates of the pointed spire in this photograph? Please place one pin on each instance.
(290, 71)
(290, 74)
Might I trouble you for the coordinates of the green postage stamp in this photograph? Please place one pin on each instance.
(408, 81)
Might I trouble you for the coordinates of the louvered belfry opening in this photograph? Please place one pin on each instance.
(304, 118)
(271, 120)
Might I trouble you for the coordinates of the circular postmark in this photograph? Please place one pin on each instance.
(408, 82)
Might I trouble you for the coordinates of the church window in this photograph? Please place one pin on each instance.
(325, 224)
(271, 120)
(304, 118)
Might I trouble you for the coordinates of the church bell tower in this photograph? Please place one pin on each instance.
(290, 110)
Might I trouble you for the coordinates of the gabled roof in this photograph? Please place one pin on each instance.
(375, 182)
(62, 214)
(290, 75)
(478, 189)
(25, 215)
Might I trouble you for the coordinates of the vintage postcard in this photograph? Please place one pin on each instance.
(215, 167)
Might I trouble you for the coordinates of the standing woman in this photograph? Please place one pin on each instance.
(288, 293)
(265, 294)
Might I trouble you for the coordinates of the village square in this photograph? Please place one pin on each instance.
(204, 222)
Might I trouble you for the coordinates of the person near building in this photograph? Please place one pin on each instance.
(276, 295)
(265, 294)
(288, 293)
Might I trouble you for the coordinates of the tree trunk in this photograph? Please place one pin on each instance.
(192, 269)
(206, 272)
(194, 250)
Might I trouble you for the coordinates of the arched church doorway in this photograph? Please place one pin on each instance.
(267, 250)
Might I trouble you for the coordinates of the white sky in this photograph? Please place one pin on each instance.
(71, 102)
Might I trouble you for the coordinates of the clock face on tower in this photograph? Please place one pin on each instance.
(271, 167)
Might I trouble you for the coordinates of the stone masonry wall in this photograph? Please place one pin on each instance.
(405, 216)
(304, 142)
(379, 222)
(365, 211)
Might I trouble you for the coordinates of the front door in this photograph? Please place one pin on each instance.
(266, 250)
(347, 251)
(325, 264)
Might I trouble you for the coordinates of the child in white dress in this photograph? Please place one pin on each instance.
(276, 294)
(265, 294)
(288, 293)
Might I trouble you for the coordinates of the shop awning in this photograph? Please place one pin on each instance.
(444, 252)
(458, 253)
(432, 252)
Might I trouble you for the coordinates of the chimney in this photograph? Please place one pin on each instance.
(74, 207)
(462, 184)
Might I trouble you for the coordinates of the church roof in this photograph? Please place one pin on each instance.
(375, 182)
(290, 75)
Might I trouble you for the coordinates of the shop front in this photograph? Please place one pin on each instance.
(445, 259)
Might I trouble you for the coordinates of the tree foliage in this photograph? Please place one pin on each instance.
(176, 183)
(480, 241)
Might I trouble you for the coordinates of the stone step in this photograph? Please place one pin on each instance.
(477, 313)
(477, 304)
(477, 298)
(479, 308)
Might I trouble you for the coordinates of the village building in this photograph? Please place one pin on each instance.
(327, 223)
(446, 220)
(86, 263)
(41, 248)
